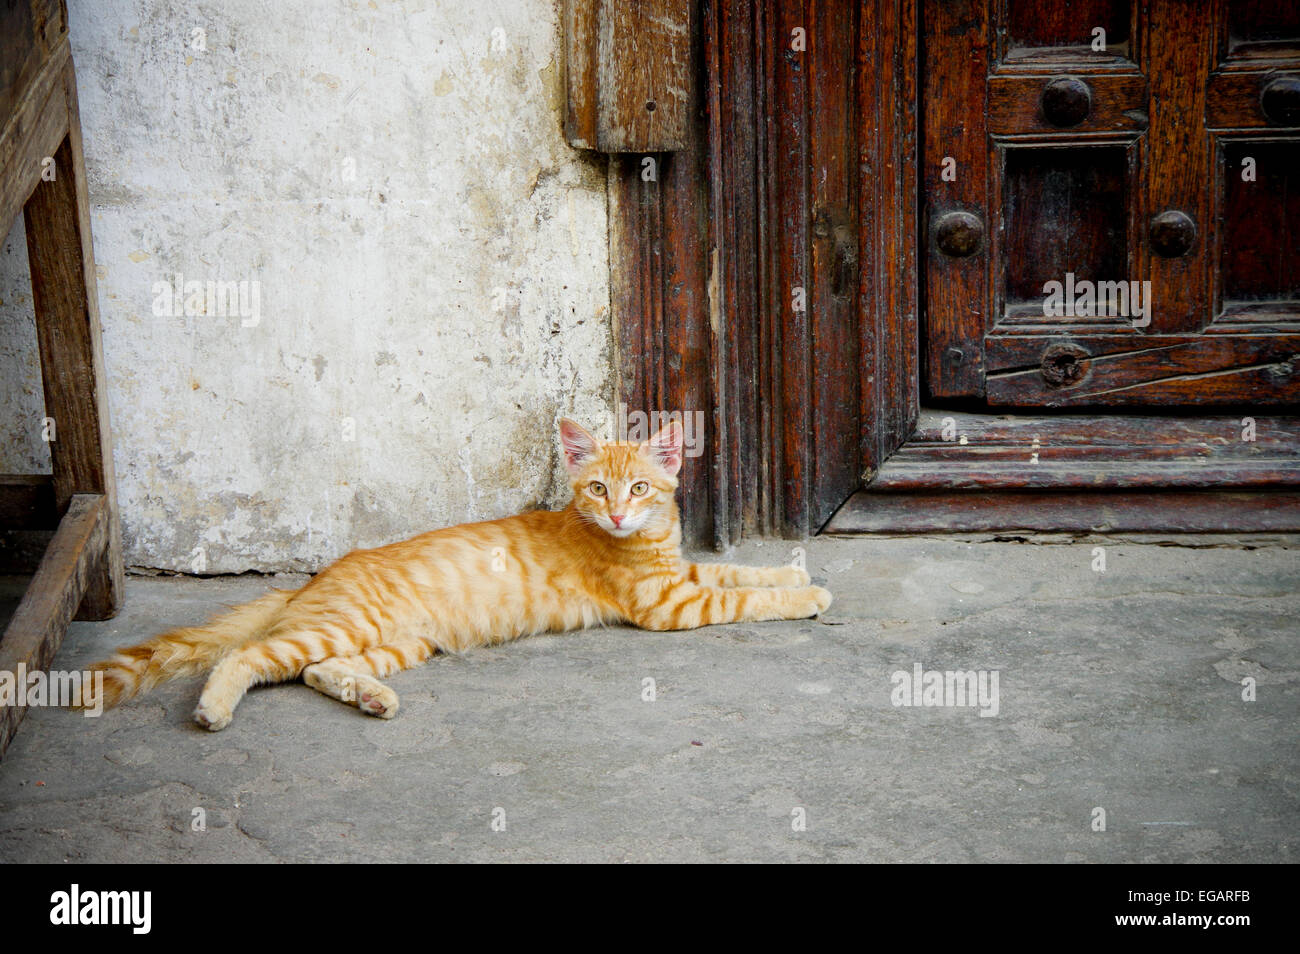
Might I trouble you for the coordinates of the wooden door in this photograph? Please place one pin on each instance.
(1143, 156)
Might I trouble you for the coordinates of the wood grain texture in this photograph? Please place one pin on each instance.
(1141, 433)
(889, 294)
(834, 338)
(628, 72)
(960, 451)
(1233, 99)
(1118, 105)
(1252, 23)
(1260, 225)
(32, 123)
(955, 58)
(786, 162)
(1179, 166)
(1032, 30)
(1258, 370)
(789, 212)
(1069, 512)
(659, 295)
(70, 564)
(946, 468)
(1025, 352)
(581, 39)
(733, 159)
(66, 304)
(1082, 200)
(1063, 210)
(30, 32)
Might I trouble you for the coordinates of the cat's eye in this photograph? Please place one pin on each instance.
(597, 488)
(639, 488)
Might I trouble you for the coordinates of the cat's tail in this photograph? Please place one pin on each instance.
(181, 652)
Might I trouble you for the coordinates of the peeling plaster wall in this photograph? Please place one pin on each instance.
(431, 260)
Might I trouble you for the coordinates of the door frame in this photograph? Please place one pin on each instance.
(804, 408)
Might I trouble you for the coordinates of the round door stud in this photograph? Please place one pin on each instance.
(1066, 102)
(1172, 233)
(1280, 101)
(959, 234)
(1064, 365)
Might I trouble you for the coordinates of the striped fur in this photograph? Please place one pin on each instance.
(612, 555)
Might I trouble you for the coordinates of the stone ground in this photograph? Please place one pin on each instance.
(1119, 690)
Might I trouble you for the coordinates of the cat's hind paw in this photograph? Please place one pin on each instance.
(790, 576)
(819, 600)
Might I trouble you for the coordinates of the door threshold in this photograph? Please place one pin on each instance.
(1067, 511)
(962, 451)
(1079, 473)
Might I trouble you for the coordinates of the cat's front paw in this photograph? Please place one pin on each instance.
(212, 717)
(378, 700)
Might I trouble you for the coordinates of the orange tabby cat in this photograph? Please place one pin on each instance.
(612, 555)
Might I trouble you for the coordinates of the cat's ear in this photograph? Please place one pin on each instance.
(580, 448)
(665, 448)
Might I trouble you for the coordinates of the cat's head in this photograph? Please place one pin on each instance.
(620, 486)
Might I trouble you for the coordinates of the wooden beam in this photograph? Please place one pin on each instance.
(52, 597)
(930, 469)
(956, 451)
(660, 299)
(580, 38)
(1129, 370)
(628, 74)
(34, 120)
(889, 281)
(68, 331)
(1069, 512)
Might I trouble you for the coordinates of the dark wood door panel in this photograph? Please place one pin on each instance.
(1160, 166)
(1058, 210)
(1031, 33)
(1254, 34)
(1258, 274)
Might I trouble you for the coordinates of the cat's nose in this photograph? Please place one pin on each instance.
(618, 521)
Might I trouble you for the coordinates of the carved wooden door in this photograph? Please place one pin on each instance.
(1141, 157)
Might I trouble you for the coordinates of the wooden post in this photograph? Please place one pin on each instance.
(628, 76)
(72, 362)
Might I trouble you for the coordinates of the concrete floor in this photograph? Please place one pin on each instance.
(1118, 690)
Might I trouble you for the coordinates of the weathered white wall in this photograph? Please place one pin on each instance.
(431, 255)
